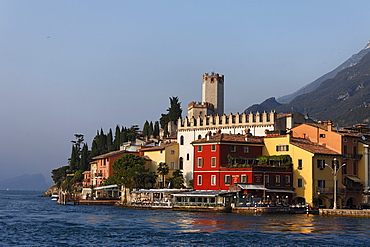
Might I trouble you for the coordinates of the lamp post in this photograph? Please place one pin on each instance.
(334, 172)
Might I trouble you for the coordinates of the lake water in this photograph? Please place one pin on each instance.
(29, 220)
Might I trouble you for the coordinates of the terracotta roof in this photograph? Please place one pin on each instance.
(312, 147)
(111, 154)
(231, 138)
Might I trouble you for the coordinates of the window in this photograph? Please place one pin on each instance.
(355, 168)
(199, 180)
(227, 179)
(232, 148)
(172, 165)
(200, 162)
(354, 150)
(243, 179)
(267, 179)
(300, 183)
(187, 156)
(322, 135)
(287, 180)
(277, 179)
(200, 148)
(199, 137)
(213, 179)
(320, 164)
(246, 149)
(344, 139)
(213, 148)
(213, 162)
(172, 151)
(182, 140)
(300, 164)
(321, 183)
(282, 148)
(345, 151)
(181, 163)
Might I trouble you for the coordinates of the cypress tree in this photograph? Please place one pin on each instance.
(110, 146)
(151, 129)
(84, 160)
(117, 138)
(156, 129)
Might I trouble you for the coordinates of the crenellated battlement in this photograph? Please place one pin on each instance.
(199, 105)
(230, 121)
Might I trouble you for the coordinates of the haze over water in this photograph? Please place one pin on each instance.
(29, 220)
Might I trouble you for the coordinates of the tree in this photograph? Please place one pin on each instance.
(59, 175)
(163, 170)
(74, 160)
(156, 129)
(146, 131)
(110, 146)
(117, 138)
(177, 180)
(174, 113)
(127, 170)
(84, 159)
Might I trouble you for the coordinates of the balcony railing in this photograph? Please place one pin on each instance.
(329, 190)
(353, 156)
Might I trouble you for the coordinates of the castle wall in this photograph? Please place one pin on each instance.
(190, 129)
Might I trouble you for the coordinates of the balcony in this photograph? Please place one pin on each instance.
(329, 190)
(98, 175)
(353, 156)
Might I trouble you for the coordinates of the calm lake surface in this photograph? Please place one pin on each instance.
(29, 220)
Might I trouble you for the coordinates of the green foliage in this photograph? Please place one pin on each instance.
(129, 171)
(59, 175)
(163, 170)
(177, 180)
(173, 113)
(156, 129)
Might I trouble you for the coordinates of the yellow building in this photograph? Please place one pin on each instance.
(166, 153)
(312, 178)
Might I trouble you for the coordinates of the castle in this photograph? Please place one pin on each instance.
(208, 116)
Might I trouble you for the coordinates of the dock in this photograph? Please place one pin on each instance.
(345, 212)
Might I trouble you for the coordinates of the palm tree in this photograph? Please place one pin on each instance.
(163, 170)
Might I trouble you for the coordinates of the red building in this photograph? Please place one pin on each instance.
(223, 160)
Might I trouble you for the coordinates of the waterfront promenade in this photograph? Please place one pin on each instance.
(345, 212)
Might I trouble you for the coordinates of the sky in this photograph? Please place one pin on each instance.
(71, 67)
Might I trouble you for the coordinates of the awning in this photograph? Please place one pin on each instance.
(202, 193)
(252, 187)
(281, 191)
(113, 186)
(354, 179)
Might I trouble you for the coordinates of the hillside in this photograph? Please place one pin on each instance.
(25, 182)
(353, 60)
(344, 99)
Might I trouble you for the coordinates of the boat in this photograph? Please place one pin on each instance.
(54, 197)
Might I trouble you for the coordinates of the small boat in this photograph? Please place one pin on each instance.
(54, 197)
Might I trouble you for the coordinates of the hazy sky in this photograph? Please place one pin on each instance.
(71, 67)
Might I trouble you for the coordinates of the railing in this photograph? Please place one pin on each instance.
(353, 156)
(329, 190)
(199, 204)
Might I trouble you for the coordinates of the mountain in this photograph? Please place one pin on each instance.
(353, 60)
(267, 105)
(25, 182)
(345, 99)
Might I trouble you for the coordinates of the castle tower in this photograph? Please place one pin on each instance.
(213, 91)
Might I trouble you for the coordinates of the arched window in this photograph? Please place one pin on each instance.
(181, 163)
(199, 137)
(181, 140)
